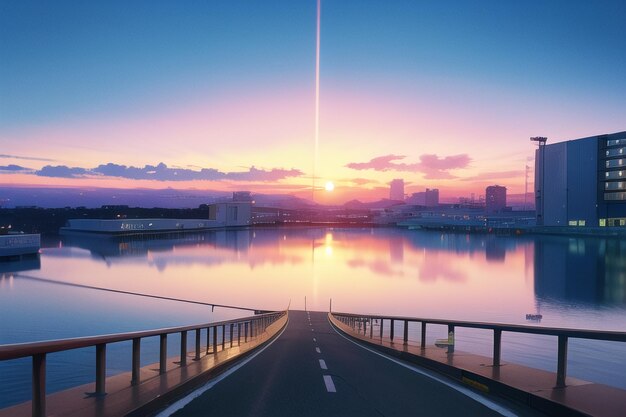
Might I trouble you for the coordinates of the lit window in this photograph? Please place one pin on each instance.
(582, 222)
(602, 222)
(572, 223)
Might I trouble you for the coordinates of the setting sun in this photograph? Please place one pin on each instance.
(329, 186)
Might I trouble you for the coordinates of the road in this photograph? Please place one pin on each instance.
(311, 370)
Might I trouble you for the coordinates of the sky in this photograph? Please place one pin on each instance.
(220, 95)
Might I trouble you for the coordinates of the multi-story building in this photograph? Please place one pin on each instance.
(431, 197)
(582, 182)
(428, 198)
(396, 190)
(495, 198)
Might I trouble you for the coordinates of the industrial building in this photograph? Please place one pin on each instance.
(581, 182)
(221, 215)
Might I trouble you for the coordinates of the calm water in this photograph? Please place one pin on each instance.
(572, 282)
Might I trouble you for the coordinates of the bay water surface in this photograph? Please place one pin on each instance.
(572, 282)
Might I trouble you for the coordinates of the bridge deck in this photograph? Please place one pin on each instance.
(289, 379)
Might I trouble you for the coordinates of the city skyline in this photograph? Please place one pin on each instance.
(221, 96)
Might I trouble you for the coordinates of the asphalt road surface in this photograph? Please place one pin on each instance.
(311, 370)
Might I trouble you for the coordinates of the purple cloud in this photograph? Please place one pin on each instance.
(254, 174)
(380, 163)
(159, 172)
(431, 165)
(61, 171)
(14, 168)
(162, 172)
(27, 158)
(361, 181)
(434, 167)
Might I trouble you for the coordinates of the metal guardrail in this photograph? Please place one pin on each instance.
(359, 324)
(247, 327)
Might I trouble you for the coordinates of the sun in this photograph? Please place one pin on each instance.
(329, 186)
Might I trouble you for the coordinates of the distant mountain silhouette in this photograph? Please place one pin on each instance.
(284, 201)
(53, 197)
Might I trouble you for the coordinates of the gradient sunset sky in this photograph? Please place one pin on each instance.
(220, 94)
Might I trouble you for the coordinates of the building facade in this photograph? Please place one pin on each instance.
(582, 182)
(495, 198)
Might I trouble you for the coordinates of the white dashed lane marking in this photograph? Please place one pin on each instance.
(318, 350)
(314, 340)
(330, 385)
(323, 364)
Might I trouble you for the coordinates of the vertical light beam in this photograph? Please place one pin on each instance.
(317, 97)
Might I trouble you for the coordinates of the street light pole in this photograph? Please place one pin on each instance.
(541, 141)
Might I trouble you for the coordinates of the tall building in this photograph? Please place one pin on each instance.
(431, 197)
(495, 198)
(396, 190)
(582, 182)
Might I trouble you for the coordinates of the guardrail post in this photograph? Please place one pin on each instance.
(214, 340)
(497, 345)
(364, 326)
(208, 339)
(232, 326)
(391, 329)
(245, 338)
(39, 385)
(101, 367)
(163, 354)
(371, 328)
(423, 341)
(406, 332)
(561, 371)
(197, 345)
(223, 336)
(381, 329)
(238, 334)
(136, 361)
(450, 338)
(183, 348)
